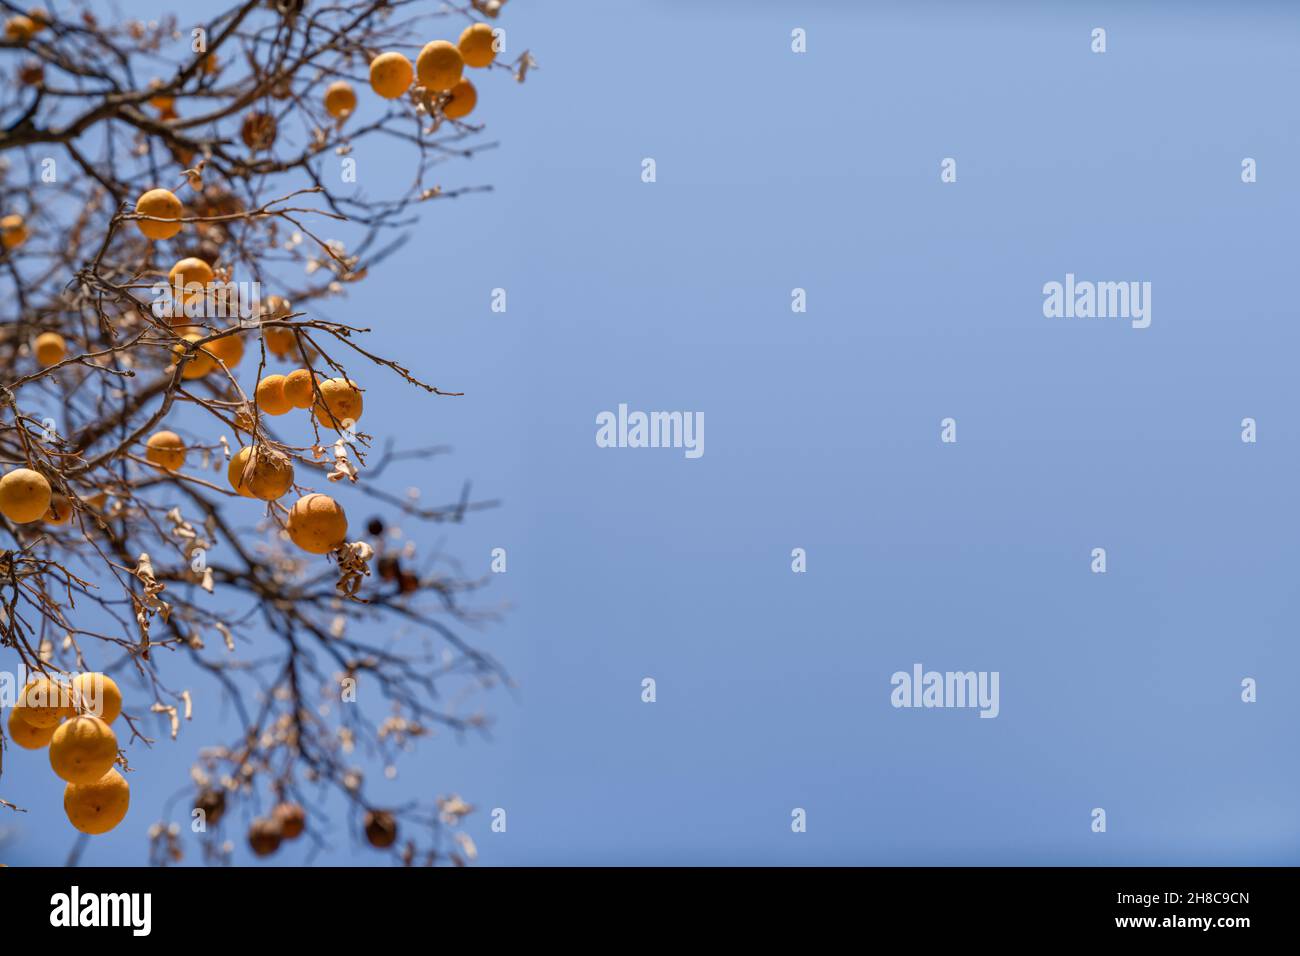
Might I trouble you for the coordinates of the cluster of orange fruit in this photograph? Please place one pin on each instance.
(73, 720)
(439, 68)
(20, 28)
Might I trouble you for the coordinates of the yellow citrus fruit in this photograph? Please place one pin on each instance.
(43, 703)
(228, 348)
(97, 695)
(339, 405)
(24, 496)
(13, 231)
(280, 341)
(340, 99)
(270, 395)
(50, 348)
(463, 99)
(60, 510)
(162, 102)
(166, 450)
(163, 204)
(297, 388)
(439, 66)
(25, 735)
(200, 362)
(317, 524)
(98, 806)
(83, 749)
(391, 74)
(189, 279)
(476, 45)
(20, 29)
(260, 472)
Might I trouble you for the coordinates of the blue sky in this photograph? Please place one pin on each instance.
(821, 171)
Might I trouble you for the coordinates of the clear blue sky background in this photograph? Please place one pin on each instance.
(821, 171)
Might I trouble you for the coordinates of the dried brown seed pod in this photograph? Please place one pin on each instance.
(381, 828)
(264, 836)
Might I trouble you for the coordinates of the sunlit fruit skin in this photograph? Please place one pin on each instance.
(264, 836)
(83, 749)
(24, 496)
(189, 279)
(476, 45)
(13, 231)
(200, 362)
(270, 396)
(298, 388)
(258, 472)
(163, 204)
(25, 735)
(340, 99)
(317, 524)
(280, 341)
(439, 66)
(463, 99)
(391, 75)
(98, 806)
(229, 349)
(292, 819)
(60, 510)
(97, 695)
(20, 29)
(339, 405)
(43, 703)
(50, 348)
(166, 450)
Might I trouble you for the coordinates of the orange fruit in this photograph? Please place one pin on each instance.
(189, 279)
(340, 99)
(439, 66)
(317, 524)
(98, 806)
(228, 348)
(50, 348)
(298, 388)
(13, 231)
(60, 510)
(462, 102)
(270, 396)
(43, 703)
(20, 29)
(166, 450)
(24, 496)
(391, 75)
(25, 735)
(339, 405)
(83, 749)
(476, 45)
(280, 341)
(260, 472)
(199, 363)
(98, 695)
(163, 204)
